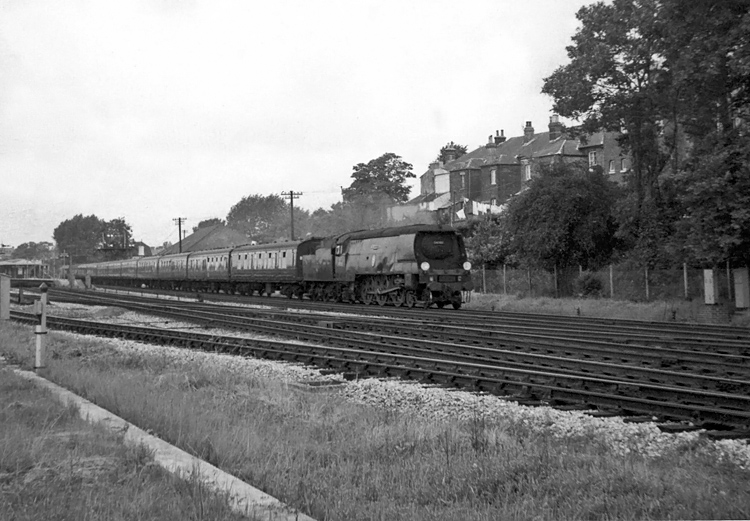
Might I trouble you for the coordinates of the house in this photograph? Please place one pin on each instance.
(483, 180)
(208, 238)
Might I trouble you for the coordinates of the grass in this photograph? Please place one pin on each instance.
(657, 311)
(336, 460)
(54, 465)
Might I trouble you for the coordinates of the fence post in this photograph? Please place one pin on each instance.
(611, 283)
(647, 292)
(729, 283)
(4, 297)
(528, 275)
(685, 278)
(484, 280)
(505, 285)
(557, 293)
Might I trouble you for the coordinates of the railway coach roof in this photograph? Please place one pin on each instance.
(393, 232)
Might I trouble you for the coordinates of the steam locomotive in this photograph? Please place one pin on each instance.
(403, 266)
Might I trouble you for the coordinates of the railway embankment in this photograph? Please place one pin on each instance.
(380, 448)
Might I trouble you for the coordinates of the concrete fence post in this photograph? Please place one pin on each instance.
(4, 297)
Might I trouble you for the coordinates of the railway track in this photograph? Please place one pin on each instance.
(706, 389)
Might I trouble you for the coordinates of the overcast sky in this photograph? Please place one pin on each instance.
(152, 110)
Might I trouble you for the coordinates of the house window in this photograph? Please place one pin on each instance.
(611, 166)
(592, 158)
(463, 180)
(493, 201)
(493, 176)
(623, 165)
(527, 172)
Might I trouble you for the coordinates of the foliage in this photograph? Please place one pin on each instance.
(266, 218)
(117, 238)
(616, 81)
(207, 223)
(34, 251)
(485, 245)
(716, 193)
(458, 151)
(563, 219)
(589, 285)
(380, 181)
(674, 78)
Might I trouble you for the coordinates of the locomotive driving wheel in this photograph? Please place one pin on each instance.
(365, 296)
(426, 298)
(398, 298)
(410, 298)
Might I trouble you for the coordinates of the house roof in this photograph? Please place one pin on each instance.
(208, 238)
(509, 152)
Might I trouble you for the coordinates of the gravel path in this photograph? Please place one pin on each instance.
(428, 402)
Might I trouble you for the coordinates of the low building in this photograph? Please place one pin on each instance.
(208, 238)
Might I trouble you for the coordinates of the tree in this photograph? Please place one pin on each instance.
(117, 239)
(266, 218)
(208, 222)
(616, 80)
(80, 237)
(377, 185)
(458, 151)
(380, 179)
(563, 218)
(33, 251)
(488, 244)
(715, 226)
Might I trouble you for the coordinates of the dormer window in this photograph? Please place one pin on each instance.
(592, 158)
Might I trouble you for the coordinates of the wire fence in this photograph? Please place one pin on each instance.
(615, 282)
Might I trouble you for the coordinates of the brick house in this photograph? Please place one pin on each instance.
(483, 180)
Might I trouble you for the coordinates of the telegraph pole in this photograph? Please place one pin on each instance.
(179, 221)
(291, 194)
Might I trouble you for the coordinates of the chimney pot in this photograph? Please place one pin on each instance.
(499, 136)
(528, 132)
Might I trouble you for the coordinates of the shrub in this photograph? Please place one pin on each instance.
(589, 285)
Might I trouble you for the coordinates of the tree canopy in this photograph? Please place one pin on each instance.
(674, 78)
(266, 218)
(208, 222)
(34, 251)
(381, 179)
(564, 218)
(91, 238)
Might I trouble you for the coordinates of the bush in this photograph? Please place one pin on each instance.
(589, 285)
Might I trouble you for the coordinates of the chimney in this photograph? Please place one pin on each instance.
(499, 137)
(490, 143)
(555, 127)
(450, 155)
(528, 132)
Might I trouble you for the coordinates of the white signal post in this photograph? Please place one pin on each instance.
(40, 310)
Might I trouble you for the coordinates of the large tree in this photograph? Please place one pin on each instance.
(80, 237)
(616, 81)
(383, 178)
(266, 218)
(377, 184)
(563, 219)
(208, 222)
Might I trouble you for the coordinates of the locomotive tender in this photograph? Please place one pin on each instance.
(403, 266)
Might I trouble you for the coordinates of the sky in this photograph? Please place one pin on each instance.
(159, 109)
